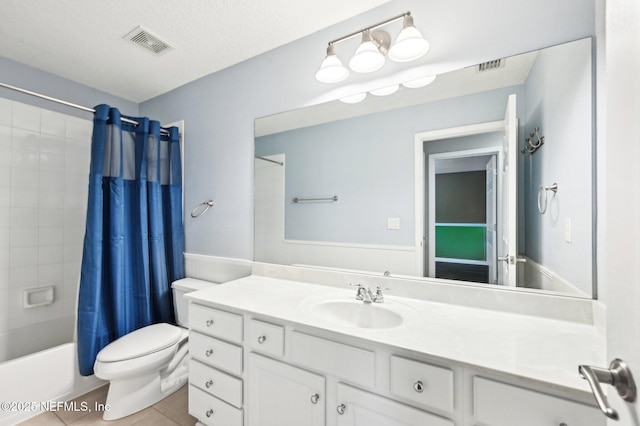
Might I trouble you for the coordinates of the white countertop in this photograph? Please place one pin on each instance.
(531, 347)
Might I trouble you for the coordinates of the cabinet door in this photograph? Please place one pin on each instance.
(356, 407)
(501, 404)
(282, 395)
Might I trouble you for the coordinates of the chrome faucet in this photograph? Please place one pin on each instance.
(366, 295)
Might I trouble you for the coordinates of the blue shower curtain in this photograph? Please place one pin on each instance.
(134, 237)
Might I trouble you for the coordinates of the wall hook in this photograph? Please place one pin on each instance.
(533, 142)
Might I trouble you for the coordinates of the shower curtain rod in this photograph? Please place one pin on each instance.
(60, 101)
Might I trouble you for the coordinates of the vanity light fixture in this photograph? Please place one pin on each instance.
(385, 91)
(419, 82)
(331, 70)
(410, 45)
(370, 55)
(353, 99)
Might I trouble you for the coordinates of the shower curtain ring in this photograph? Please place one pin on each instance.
(199, 210)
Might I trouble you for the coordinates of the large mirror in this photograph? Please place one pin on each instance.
(483, 176)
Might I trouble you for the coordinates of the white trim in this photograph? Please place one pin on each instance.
(352, 245)
(460, 131)
(495, 150)
(419, 171)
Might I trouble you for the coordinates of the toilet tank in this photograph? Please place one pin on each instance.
(180, 304)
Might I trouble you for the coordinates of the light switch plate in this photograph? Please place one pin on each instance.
(393, 223)
(567, 230)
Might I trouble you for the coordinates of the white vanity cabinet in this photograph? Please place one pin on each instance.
(356, 407)
(501, 404)
(251, 370)
(282, 395)
(216, 366)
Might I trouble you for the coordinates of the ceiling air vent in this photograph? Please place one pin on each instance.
(491, 65)
(150, 42)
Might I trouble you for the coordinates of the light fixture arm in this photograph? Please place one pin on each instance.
(372, 27)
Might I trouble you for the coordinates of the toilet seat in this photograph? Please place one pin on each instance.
(142, 342)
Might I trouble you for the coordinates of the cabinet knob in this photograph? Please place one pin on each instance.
(209, 384)
(341, 409)
(209, 323)
(209, 413)
(418, 386)
(261, 339)
(209, 352)
(315, 398)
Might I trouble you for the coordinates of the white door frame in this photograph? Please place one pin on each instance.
(419, 173)
(431, 179)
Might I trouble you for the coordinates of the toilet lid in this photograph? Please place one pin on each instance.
(141, 342)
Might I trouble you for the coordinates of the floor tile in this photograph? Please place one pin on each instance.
(171, 411)
(156, 418)
(176, 407)
(44, 419)
(89, 401)
(95, 419)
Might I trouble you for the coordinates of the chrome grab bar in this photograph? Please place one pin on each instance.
(301, 200)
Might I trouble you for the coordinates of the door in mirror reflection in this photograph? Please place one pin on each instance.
(472, 201)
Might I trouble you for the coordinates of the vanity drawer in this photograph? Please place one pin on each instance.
(425, 384)
(266, 338)
(500, 404)
(216, 383)
(215, 352)
(212, 411)
(216, 323)
(347, 362)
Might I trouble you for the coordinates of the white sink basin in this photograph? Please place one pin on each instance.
(346, 311)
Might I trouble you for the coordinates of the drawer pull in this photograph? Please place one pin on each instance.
(261, 339)
(209, 352)
(418, 386)
(341, 409)
(209, 384)
(209, 413)
(209, 323)
(315, 398)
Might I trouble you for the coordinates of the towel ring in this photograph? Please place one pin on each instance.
(542, 196)
(199, 210)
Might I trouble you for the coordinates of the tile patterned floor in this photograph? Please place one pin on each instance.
(171, 411)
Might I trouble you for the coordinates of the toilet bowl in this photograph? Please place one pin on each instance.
(150, 363)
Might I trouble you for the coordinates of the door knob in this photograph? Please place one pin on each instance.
(618, 375)
(512, 260)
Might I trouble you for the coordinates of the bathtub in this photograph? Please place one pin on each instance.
(49, 375)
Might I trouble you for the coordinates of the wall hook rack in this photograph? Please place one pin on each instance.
(533, 142)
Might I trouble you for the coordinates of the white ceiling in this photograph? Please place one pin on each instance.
(82, 40)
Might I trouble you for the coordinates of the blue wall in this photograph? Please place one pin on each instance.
(219, 110)
(35, 80)
(368, 162)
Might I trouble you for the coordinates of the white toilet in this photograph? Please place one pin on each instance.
(148, 364)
